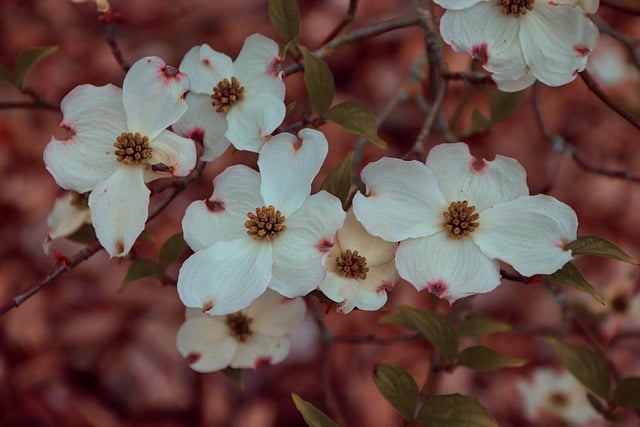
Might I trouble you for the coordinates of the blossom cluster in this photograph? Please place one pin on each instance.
(262, 239)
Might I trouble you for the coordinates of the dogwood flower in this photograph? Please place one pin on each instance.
(249, 338)
(260, 230)
(455, 218)
(519, 41)
(238, 102)
(70, 211)
(360, 269)
(556, 395)
(114, 139)
(103, 5)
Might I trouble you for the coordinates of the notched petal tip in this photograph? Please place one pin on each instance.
(324, 245)
(480, 53)
(439, 288)
(193, 357)
(119, 248)
(262, 361)
(208, 306)
(582, 50)
(215, 206)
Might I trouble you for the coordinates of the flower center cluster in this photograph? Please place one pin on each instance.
(238, 324)
(515, 7)
(227, 93)
(352, 265)
(132, 148)
(266, 223)
(460, 219)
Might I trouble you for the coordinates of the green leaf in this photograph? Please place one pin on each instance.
(338, 181)
(356, 119)
(594, 245)
(171, 250)
(589, 367)
(398, 387)
(234, 375)
(285, 18)
(436, 328)
(318, 80)
(142, 269)
(312, 415)
(627, 393)
(569, 275)
(27, 60)
(501, 104)
(481, 358)
(477, 324)
(85, 235)
(6, 75)
(455, 410)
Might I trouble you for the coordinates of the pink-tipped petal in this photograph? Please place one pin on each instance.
(119, 207)
(482, 183)
(153, 96)
(275, 315)
(529, 233)
(252, 120)
(259, 350)
(205, 344)
(205, 68)
(402, 200)
(287, 170)
(258, 67)
(226, 277)
(175, 152)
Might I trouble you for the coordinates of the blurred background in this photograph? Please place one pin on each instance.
(84, 352)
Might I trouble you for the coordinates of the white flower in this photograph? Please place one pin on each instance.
(114, 138)
(556, 394)
(249, 338)
(360, 269)
(70, 211)
(102, 5)
(456, 217)
(260, 230)
(239, 103)
(520, 41)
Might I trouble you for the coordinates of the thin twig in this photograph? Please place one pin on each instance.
(346, 20)
(374, 340)
(595, 88)
(115, 48)
(621, 7)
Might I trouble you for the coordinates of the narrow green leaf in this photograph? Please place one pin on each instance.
(142, 269)
(502, 104)
(436, 328)
(477, 324)
(481, 358)
(285, 18)
(586, 365)
(338, 181)
(356, 119)
(171, 250)
(627, 393)
(455, 410)
(398, 318)
(6, 75)
(479, 123)
(594, 245)
(398, 387)
(312, 415)
(85, 235)
(318, 80)
(569, 275)
(28, 59)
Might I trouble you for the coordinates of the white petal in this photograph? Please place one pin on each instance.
(153, 96)
(372, 292)
(287, 169)
(483, 184)
(589, 6)
(516, 85)
(299, 251)
(205, 344)
(337, 287)
(488, 35)
(258, 67)
(66, 216)
(447, 267)
(202, 121)
(261, 350)
(174, 151)
(94, 117)
(402, 200)
(457, 4)
(222, 216)
(252, 120)
(529, 233)
(205, 68)
(226, 277)
(556, 41)
(275, 315)
(353, 236)
(119, 207)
